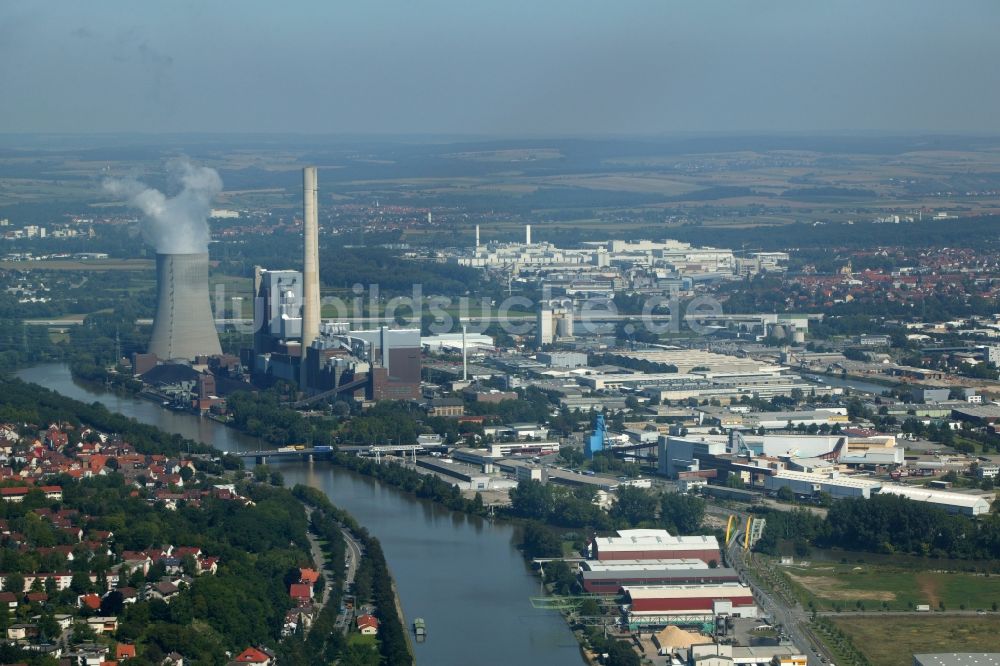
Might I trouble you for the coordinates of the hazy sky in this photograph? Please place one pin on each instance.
(499, 66)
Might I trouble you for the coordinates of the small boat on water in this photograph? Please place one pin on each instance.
(419, 627)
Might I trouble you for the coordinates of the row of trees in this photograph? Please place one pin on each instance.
(262, 415)
(633, 507)
(887, 524)
(426, 486)
(392, 637)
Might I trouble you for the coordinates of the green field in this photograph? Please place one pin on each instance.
(892, 641)
(833, 586)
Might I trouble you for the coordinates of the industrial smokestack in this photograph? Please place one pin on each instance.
(527, 234)
(183, 326)
(477, 236)
(465, 356)
(310, 272)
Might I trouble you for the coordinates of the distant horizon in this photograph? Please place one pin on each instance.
(527, 136)
(512, 69)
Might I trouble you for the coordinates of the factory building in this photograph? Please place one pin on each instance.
(683, 454)
(722, 654)
(554, 321)
(563, 359)
(453, 343)
(666, 604)
(779, 420)
(952, 502)
(618, 565)
(809, 484)
(769, 454)
(654, 545)
(608, 580)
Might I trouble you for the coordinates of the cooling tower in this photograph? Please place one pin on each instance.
(183, 326)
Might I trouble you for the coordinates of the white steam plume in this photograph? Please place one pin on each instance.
(178, 224)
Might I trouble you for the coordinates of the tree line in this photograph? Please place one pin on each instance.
(887, 524)
(392, 639)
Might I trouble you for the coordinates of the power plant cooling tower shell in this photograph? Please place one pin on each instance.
(183, 326)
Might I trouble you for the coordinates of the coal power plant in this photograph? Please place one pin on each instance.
(325, 359)
(183, 327)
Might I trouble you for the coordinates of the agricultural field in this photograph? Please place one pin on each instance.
(892, 641)
(868, 586)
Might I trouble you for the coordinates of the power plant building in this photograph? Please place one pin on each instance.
(291, 342)
(389, 356)
(183, 327)
(278, 303)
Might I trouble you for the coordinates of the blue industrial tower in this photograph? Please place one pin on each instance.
(597, 438)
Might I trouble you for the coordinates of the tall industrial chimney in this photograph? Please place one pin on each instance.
(527, 234)
(183, 326)
(477, 236)
(310, 272)
(465, 356)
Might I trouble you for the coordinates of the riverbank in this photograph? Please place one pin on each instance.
(402, 616)
(455, 569)
(392, 638)
(26, 402)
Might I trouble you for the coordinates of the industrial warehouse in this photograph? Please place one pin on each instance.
(643, 544)
(662, 579)
(599, 578)
(808, 466)
(665, 604)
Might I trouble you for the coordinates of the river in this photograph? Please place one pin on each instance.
(840, 382)
(461, 574)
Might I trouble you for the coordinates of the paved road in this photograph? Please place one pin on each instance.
(320, 559)
(793, 619)
(352, 557)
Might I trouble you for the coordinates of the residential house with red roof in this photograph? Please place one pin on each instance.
(300, 592)
(252, 655)
(89, 601)
(367, 625)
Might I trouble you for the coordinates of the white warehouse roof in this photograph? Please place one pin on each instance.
(661, 539)
(834, 479)
(974, 504)
(722, 591)
(643, 565)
